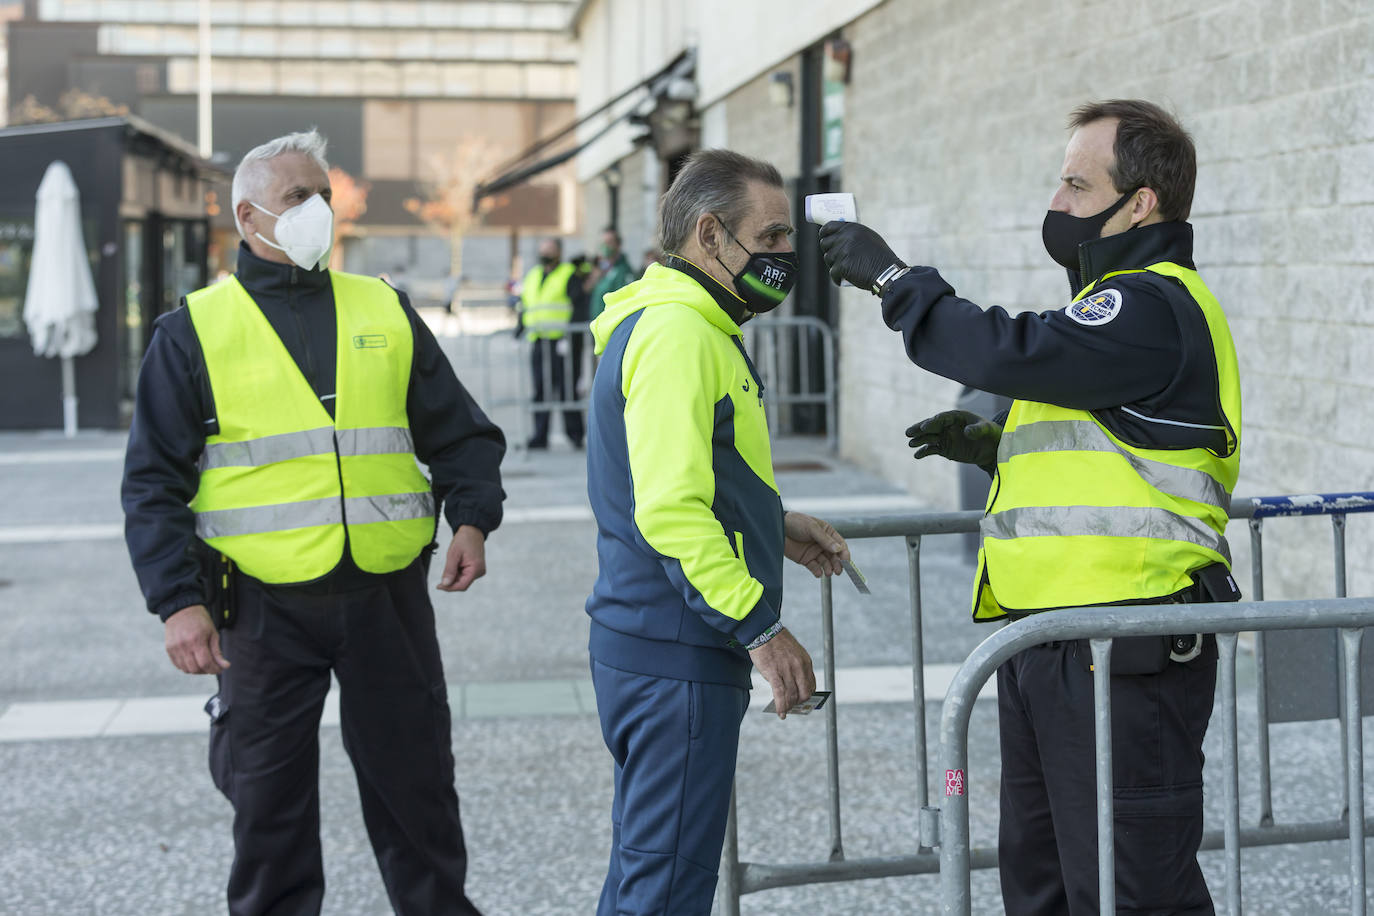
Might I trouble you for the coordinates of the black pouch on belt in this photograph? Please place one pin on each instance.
(1130, 654)
(217, 575)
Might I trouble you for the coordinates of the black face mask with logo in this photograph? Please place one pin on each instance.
(1062, 233)
(766, 278)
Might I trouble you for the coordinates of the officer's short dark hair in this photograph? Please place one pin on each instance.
(1152, 151)
(711, 181)
(613, 232)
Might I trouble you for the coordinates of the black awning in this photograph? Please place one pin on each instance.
(527, 165)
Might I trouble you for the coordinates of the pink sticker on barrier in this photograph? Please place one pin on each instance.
(954, 782)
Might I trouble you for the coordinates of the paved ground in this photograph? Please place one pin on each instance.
(106, 805)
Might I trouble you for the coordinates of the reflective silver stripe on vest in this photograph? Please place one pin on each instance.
(253, 453)
(377, 440)
(221, 523)
(1103, 521)
(1086, 436)
(398, 507)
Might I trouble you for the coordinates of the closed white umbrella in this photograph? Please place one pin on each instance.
(60, 304)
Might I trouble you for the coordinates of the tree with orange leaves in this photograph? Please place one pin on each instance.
(449, 188)
(348, 201)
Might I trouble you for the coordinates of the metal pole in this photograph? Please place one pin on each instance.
(832, 736)
(1338, 532)
(918, 670)
(832, 425)
(730, 880)
(1226, 649)
(1266, 792)
(205, 142)
(1354, 766)
(1106, 832)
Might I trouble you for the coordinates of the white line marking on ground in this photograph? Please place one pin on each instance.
(185, 714)
(48, 457)
(47, 534)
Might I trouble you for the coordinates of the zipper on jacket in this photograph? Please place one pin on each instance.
(301, 329)
(754, 373)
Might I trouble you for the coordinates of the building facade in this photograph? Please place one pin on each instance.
(418, 98)
(946, 120)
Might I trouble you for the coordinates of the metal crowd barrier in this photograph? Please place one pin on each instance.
(785, 351)
(947, 828)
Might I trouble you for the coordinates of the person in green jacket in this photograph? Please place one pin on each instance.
(613, 270)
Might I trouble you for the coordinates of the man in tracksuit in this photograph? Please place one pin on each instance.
(691, 531)
(279, 418)
(1112, 476)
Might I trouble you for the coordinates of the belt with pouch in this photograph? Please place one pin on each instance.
(1134, 655)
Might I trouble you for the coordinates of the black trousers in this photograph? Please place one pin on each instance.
(264, 748)
(1047, 845)
(545, 353)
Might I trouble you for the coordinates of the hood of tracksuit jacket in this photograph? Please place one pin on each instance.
(299, 304)
(649, 291)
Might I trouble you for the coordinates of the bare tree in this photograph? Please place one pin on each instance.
(448, 187)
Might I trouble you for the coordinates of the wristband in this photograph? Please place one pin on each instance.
(888, 277)
(766, 635)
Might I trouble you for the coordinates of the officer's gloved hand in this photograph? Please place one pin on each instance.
(959, 436)
(856, 253)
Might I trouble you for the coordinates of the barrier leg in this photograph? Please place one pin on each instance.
(1106, 827)
(832, 737)
(1354, 766)
(1226, 649)
(918, 671)
(1266, 793)
(730, 871)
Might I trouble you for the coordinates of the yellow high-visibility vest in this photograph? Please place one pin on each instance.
(544, 300)
(1077, 517)
(281, 482)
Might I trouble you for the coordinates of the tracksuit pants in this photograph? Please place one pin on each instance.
(264, 749)
(1047, 846)
(674, 745)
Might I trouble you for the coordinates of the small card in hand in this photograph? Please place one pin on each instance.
(856, 577)
(815, 701)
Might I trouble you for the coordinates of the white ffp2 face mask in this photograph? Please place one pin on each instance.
(305, 232)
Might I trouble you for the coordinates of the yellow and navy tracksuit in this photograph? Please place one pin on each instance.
(1113, 479)
(689, 541)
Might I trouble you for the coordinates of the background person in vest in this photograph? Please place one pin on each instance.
(547, 297)
(279, 417)
(1112, 476)
(691, 531)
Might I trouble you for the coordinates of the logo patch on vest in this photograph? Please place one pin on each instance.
(369, 341)
(1098, 308)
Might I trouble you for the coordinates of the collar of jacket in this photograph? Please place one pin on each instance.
(1132, 250)
(262, 277)
(730, 304)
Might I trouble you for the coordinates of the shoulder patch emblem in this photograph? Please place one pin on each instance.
(1098, 308)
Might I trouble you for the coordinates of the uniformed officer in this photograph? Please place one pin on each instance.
(1112, 472)
(278, 420)
(547, 297)
(691, 531)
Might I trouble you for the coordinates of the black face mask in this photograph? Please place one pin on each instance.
(766, 278)
(1062, 233)
(548, 260)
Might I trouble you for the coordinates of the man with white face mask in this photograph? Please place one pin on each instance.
(281, 529)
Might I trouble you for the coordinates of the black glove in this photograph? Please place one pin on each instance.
(959, 436)
(856, 253)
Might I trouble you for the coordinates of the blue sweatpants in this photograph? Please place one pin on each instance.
(674, 744)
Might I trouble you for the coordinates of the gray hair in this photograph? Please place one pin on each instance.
(714, 181)
(252, 176)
